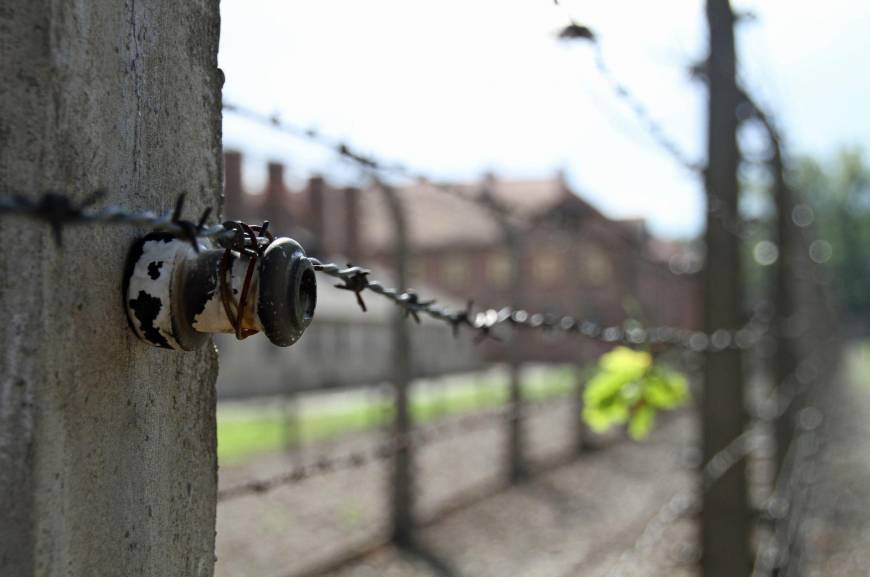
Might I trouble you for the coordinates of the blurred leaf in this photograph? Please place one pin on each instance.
(629, 388)
(666, 389)
(641, 422)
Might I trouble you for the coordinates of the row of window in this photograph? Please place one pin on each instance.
(548, 268)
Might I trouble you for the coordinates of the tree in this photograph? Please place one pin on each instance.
(838, 194)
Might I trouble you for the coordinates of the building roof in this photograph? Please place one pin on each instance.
(438, 218)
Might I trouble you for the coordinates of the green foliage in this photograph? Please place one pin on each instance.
(839, 193)
(244, 432)
(630, 388)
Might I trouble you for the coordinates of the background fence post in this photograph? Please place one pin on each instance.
(290, 411)
(725, 519)
(517, 465)
(403, 473)
(581, 433)
(517, 470)
(784, 301)
(107, 445)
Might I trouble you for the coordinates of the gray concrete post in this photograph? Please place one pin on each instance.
(107, 445)
(402, 481)
(725, 517)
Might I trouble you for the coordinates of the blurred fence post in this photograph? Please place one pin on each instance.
(108, 460)
(292, 425)
(517, 469)
(783, 297)
(517, 466)
(402, 489)
(725, 518)
(581, 430)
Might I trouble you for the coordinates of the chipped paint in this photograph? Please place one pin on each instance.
(149, 290)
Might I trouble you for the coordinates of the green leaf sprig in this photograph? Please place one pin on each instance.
(629, 386)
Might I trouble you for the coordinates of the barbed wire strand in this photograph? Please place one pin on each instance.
(450, 427)
(60, 211)
(355, 279)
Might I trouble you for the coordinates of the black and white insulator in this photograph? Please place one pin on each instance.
(175, 296)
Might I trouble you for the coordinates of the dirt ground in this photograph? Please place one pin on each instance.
(834, 536)
(584, 513)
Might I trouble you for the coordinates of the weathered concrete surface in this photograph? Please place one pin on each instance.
(107, 446)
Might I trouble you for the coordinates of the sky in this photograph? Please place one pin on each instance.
(458, 88)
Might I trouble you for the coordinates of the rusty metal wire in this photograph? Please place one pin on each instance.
(356, 280)
(387, 449)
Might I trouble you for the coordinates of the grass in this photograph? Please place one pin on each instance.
(244, 432)
(858, 363)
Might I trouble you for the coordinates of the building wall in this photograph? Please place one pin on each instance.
(336, 353)
(575, 262)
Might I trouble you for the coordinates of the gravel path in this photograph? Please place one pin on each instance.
(835, 534)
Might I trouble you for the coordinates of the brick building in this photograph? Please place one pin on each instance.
(574, 259)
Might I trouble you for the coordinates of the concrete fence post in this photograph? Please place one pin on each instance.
(107, 445)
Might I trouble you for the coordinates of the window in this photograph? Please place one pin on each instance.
(416, 271)
(499, 270)
(547, 267)
(595, 267)
(456, 272)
